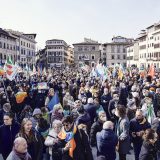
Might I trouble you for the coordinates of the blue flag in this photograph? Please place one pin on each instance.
(53, 101)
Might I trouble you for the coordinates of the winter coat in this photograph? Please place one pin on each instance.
(34, 122)
(84, 119)
(68, 100)
(148, 152)
(123, 96)
(2, 112)
(136, 126)
(105, 99)
(106, 143)
(122, 129)
(91, 110)
(81, 152)
(51, 140)
(14, 156)
(7, 137)
(96, 127)
(111, 107)
(35, 147)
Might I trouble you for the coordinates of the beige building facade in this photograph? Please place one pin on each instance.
(57, 52)
(8, 46)
(149, 46)
(115, 51)
(25, 48)
(133, 54)
(87, 52)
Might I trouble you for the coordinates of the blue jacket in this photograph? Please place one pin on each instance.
(106, 143)
(91, 110)
(7, 137)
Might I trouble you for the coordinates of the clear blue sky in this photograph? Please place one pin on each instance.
(72, 20)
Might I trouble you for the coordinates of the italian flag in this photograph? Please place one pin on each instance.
(10, 69)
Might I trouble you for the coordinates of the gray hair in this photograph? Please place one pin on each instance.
(108, 125)
(56, 122)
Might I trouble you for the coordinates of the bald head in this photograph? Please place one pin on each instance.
(108, 125)
(139, 115)
(20, 145)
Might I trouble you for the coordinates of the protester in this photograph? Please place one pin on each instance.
(34, 141)
(90, 108)
(19, 151)
(8, 133)
(37, 114)
(97, 127)
(72, 142)
(138, 125)
(89, 98)
(107, 141)
(6, 108)
(122, 130)
(148, 150)
(52, 137)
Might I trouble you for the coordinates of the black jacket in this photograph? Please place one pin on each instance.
(81, 152)
(96, 127)
(7, 137)
(148, 152)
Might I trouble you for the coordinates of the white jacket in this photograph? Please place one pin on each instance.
(51, 139)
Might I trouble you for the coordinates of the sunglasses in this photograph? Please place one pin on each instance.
(66, 125)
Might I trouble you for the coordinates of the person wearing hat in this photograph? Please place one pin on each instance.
(83, 118)
(37, 114)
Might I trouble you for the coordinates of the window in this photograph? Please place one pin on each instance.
(92, 64)
(86, 48)
(118, 49)
(124, 56)
(4, 57)
(92, 57)
(104, 54)
(118, 56)
(0, 44)
(112, 57)
(112, 49)
(79, 58)
(80, 48)
(93, 48)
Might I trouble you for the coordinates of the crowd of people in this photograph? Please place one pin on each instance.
(92, 119)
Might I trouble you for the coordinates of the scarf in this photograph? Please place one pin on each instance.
(69, 138)
(22, 156)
